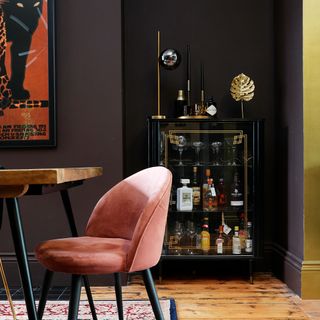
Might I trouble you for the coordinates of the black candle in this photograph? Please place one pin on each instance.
(202, 77)
(188, 75)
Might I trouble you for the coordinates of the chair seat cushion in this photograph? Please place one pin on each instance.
(84, 255)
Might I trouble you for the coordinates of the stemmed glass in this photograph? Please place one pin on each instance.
(231, 152)
(177, 235)
(215, 146)
(162, 146)
(198, 145)
(182, 142)
(191, 235)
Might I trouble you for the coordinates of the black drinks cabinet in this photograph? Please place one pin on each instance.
(230, 153)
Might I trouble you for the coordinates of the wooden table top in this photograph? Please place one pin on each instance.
(47, 175)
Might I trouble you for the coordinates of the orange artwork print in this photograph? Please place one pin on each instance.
(26, 100)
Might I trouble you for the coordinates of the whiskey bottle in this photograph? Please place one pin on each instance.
(196, 190)
(181, 105)
(242, 231)
(222, 198)
(248, 247)
(236, 246)
(236, 197)
(205, 236)
(205, 189)
(211, 199)
(220, 241)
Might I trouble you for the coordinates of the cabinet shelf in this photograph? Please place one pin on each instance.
(216, 210)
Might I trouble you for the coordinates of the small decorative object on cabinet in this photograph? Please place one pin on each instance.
(222, 161)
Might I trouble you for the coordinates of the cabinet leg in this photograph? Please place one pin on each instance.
(251, 270)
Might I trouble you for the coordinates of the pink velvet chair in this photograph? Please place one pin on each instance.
(124, 234)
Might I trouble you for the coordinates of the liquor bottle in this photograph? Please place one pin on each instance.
(181, 105)
(248, 247)
(236, 246)
(196, 190)
(205, 236)
(211, 107)
(242, 231)
(222, 198)
(226, 231)
(205, 189)
(184, 196)
(220, 241)
(211, 199)
(236, 198)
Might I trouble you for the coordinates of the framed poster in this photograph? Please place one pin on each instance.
(27, 82)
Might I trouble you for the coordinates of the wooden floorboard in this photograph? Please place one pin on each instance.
(210, 298)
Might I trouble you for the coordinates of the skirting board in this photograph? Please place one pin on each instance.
(303, 277)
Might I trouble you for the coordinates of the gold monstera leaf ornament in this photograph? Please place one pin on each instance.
(242, 89)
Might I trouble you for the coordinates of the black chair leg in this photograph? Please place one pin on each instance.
(89, 295)
(44, 292)
(75, 297)
(152, 294)
(118, 290)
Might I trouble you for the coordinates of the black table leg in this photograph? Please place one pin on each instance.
(73, 228)
(21, 254)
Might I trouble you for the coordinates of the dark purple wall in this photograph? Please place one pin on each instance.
(230, 37)
(89, 119)
(288, 219)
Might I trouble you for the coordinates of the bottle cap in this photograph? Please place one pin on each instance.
(185, 181)
(236, 228)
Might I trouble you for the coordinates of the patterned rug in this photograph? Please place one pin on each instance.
(106, 310)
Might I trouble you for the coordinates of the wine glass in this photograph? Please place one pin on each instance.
(191, 235)
(198, 145)
(215, 146)
(177, 235)
(162, 146)
(182, 142)
(229, 153)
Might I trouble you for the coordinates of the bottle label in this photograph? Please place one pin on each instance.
(248, 248)
(236, 246)
(236, 203)
(205, 240)
(219, 246)
(213, 191)
(196, 196)
(186, 198)
(226, 229)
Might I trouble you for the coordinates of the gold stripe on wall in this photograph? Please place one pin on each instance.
(311, 114)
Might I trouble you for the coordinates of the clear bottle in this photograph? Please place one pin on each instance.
(236, 197)
(184, 196)
(248, 247)
(236, 245)
(196, 189)
(205, 236)
(211, 199)
(220, 241)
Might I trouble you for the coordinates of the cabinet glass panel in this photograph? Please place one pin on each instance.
(213, 204)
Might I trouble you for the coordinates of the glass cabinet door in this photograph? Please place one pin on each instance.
(214, 199)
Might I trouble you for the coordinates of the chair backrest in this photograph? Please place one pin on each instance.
(135, 209)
